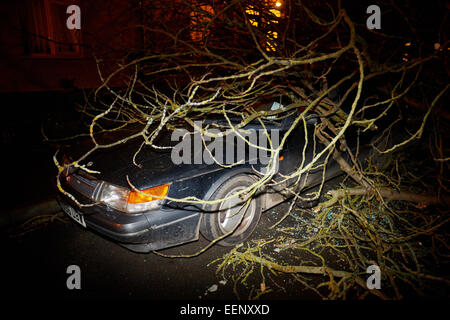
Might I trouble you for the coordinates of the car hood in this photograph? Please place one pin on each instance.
(151, 166)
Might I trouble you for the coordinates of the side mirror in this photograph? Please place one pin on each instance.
(312, 119)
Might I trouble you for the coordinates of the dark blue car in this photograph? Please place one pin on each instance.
(144, 223)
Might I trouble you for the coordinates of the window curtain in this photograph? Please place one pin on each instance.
(66, 40)
(38, 27)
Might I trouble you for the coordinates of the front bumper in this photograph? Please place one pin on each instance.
(152, 230)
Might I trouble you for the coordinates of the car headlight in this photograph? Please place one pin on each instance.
(132, 201)
(147, 199)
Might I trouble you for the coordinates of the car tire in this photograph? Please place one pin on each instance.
(224, 217)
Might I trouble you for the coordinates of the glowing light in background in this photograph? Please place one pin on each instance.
(255, 18)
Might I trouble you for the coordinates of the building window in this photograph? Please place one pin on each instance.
(48, 33)
(199, 21)
(272, 10)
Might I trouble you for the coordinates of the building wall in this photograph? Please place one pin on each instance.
(107, 32)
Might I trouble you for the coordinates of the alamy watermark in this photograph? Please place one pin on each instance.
(232, 146)
(374, 20)
(374, 281)
(74, 20)
(74, 279)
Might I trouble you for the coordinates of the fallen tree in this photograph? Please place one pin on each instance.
(237, 54)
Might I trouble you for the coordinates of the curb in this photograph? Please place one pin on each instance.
(17, 216)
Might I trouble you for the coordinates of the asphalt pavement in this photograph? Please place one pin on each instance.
(35, 265)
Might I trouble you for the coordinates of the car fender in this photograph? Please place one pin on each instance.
(226, 175)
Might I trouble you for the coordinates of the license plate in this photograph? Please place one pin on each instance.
(71, 212)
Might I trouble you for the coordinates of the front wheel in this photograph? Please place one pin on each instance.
(232, 215)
